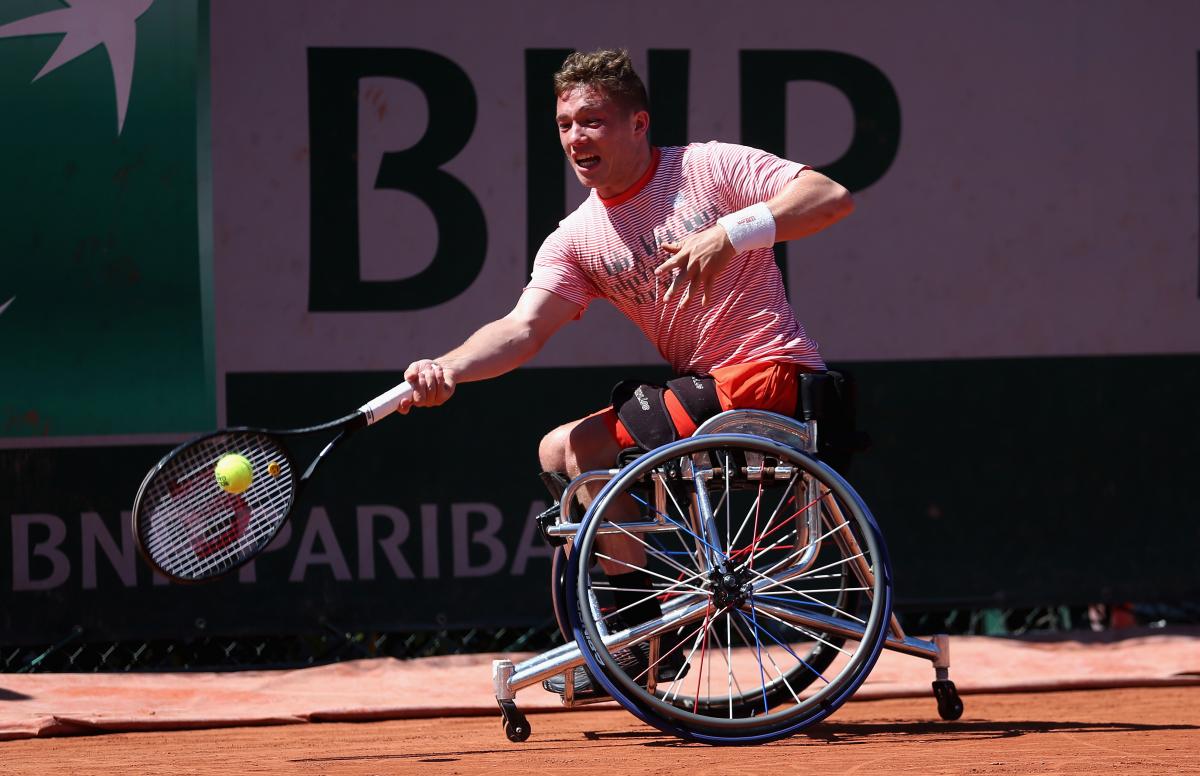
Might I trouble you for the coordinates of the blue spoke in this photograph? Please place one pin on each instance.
(762, 677)
(680, 526)
(799, 659)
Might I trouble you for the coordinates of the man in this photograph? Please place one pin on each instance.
(679, 240)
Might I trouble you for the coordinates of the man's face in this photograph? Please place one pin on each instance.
(605, 143)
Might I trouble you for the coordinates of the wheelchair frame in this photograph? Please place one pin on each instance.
(757, 435)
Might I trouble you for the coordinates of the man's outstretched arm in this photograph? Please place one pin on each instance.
(496, 348)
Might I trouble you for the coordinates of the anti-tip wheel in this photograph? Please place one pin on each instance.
(950, 706)
(516, 726)
(517, 733)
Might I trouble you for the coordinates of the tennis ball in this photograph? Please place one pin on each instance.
(234, 473)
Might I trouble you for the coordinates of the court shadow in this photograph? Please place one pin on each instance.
(649, 735)
(849, 731)
(12, 695)
(863, 732)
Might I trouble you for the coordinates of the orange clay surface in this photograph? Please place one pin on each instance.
(1136, 730)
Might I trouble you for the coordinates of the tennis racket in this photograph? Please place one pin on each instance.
(191, 530)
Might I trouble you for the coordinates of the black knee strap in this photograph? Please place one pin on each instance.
(698, 395)
(643, 410)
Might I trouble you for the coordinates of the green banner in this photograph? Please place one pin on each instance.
(103, 283)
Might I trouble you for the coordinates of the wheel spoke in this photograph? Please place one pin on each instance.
(611, 559)
(652, 550)
(774, 584)
(811, 634)
(778, 670)
(755, 551)
(680, 526)
(786, 648)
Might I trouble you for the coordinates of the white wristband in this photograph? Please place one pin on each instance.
(749, 228)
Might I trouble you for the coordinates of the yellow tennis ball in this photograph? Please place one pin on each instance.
(234, 473)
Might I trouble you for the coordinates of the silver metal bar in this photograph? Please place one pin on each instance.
(845, 540)
(502, 672)
(564, 503)
(712, 548)
(557, 662)
(943, 653)
(850, 630)
(569, 530)
(565, 528)
(568, 697)
(552, 654)
(809, 526)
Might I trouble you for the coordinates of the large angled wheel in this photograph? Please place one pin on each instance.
(773, 581)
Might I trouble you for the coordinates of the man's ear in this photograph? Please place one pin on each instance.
(641, 122)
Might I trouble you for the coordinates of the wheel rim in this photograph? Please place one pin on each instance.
(749, 652)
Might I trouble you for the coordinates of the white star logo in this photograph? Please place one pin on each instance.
(87, 24)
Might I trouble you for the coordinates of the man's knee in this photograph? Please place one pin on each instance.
(576, 446)
(552, 451)
(590, 445)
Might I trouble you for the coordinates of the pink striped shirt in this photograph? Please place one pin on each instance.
(609, 249)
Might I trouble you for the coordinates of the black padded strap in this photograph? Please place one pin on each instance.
(828, 398)
(698, 395)
(640, 407)
(819, 396)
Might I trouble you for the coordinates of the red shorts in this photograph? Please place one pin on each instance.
(766, 385)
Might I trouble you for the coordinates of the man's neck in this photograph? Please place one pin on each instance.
(643, 168)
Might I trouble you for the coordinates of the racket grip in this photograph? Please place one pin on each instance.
(385, 404)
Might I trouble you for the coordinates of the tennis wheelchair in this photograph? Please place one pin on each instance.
(770, 572)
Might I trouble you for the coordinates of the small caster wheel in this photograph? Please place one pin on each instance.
(516, 726)
(950, 706)
(517, 733)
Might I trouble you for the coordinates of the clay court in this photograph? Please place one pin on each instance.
(1133, 730)
(1074, 704)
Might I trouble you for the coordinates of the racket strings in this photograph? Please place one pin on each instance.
(191, 528)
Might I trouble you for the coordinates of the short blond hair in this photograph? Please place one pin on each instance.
(608, 70)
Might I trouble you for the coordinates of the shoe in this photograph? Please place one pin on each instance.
(634, 661)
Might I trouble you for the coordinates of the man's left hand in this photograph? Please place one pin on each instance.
(697, 259)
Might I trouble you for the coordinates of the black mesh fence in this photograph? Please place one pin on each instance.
(75, 652)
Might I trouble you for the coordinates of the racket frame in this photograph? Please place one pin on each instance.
(368, 414)
(343, 426)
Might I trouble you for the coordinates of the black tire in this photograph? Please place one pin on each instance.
(558, 591)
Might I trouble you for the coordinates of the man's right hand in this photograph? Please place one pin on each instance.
(432, 383)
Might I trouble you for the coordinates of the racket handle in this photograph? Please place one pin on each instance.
(385, 404)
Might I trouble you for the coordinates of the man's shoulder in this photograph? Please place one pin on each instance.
(574, 227)
(581, 215)
(710, 153)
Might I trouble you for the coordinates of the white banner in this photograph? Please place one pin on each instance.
(1042, 200)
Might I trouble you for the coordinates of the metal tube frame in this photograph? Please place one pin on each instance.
(567, 658)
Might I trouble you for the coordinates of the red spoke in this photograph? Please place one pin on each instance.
(782, 525)
(679, 645)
